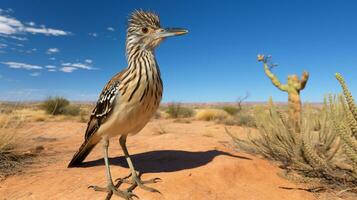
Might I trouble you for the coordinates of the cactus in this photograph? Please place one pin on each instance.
(351, 107)
(293, 87)
(327, 154)
(347, 128)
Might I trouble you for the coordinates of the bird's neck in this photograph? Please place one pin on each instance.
(142, 60)
(143, 76)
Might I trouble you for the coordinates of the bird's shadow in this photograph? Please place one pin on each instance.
(165, 160)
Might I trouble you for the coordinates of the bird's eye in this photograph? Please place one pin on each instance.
(144, 30)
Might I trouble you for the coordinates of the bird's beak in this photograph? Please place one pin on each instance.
(171, 32)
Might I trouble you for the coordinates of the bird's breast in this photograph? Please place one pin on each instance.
(135, 104)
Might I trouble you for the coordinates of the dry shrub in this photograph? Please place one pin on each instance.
(159, 129)
(211, 114)
(176, 110)
(232, 110)
(60, 106)
(242, 119)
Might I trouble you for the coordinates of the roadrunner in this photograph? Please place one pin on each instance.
(129, 99)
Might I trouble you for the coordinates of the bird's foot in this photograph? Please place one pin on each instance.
(136, 181)
(111, 189)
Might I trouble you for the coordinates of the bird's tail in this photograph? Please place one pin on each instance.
(83, 151)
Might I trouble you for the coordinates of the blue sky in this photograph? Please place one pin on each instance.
(71, 48)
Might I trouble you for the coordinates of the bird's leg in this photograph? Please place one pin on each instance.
(136, 181)
(111, 189)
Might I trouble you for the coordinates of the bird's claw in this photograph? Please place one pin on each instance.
(111, 189)
(136, 181)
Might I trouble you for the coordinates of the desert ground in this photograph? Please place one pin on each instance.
(190, 147)
(194, 160)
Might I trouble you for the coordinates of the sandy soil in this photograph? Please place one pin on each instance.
(194, 160)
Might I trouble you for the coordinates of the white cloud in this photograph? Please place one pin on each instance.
(6, 29)
(47, 31)
(68, 69)
(50, 67)
(17, 65)
(93, 34)
(31, 23)
(3, 46)
(88, 61)
(35, 74)
(13, 37)
(110, 29)
(78, 65)
(30, 50)
(52, 50)
(52, 58)
(52, 70)
(10, 26)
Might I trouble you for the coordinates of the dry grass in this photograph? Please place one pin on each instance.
(13, 154)
(210, 114)
(12, 147)
(177, 110)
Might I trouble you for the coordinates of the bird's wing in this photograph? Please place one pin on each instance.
(104, 106)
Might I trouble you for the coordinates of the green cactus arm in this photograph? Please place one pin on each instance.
(350, 120)
(274, 79)
(303, 81)
(350, 101)
(312, 158)
(347, 139)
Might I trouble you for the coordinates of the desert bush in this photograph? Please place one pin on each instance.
(314, 153)
(211, 114)
(232, 110)
(245, 120)
(55, 105)
(60, 106)
(176, 110)
(72, 110)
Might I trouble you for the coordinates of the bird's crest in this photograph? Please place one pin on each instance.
(140, 18)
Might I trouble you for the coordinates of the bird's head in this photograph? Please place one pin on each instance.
(144, 31)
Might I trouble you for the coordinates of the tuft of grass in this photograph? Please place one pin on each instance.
(211, 114)
(241, 119)
(160, 129)
(12, 154)
(60, 106)
(72, 110)
(176, 110)
(232, 110)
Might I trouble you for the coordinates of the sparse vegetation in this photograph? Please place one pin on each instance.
(176, 110)
(60, 106)
(11, 144)
(232, 110)
(323, 153)
(211, 114)
(243, 119)
(160, 129)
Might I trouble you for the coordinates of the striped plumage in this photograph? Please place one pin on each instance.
(132, 96)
